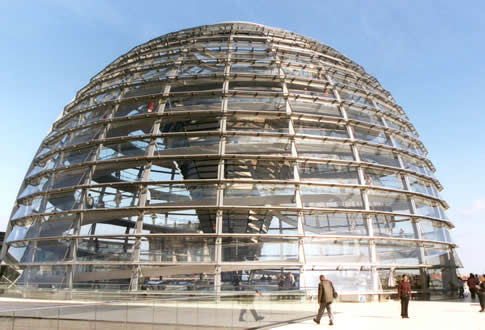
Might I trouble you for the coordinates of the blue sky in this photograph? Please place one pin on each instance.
(428, 54)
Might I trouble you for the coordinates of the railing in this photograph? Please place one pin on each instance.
(242, 310)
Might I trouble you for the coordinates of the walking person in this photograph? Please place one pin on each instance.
(481, 294)
(326, 293)
(472, 283)
(404, 294)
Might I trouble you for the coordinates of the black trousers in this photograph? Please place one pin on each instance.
(404, 306)
(473, 293)
(481, 297)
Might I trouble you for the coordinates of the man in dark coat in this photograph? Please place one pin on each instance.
(325, 299)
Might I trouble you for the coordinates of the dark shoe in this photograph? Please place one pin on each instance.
(259, 318)
(331, 323)
(406, 317)
(482, 311)
(315, 320)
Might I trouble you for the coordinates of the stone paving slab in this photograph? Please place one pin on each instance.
(426, 315)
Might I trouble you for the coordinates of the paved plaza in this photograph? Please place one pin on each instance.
(429, 315)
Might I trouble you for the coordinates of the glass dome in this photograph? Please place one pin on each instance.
(231, 156)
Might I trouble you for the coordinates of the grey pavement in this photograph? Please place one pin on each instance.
(430, 315)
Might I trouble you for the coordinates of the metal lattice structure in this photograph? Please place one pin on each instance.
(231, 153)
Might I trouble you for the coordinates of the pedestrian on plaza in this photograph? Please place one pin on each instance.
(472, 283)
(461, 288)
(326, 294)
(481, 294)
(404, 294)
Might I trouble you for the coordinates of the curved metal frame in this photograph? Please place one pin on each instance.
(248, 62)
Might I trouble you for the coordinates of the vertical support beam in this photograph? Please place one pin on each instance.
(143, 189)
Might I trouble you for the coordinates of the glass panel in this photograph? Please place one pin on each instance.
(255, 85)
(351, 279)
(336, 251)
(180, 169)
(54, 144)
(125, 149)
(307, 90)
(193, 104)
(179, 194)
(393, 226)
(315, 108)
(408, 145)
(265, 278)
(414, 278)
(378, 156)
(56, 225)
(388, 202)
(435, 254)
(36, 185)
(130, 128)
(111, 197)
(383, 178)
(112, 224)
(63, 201)
(143, 89)
(325, 150)
(180, 145)
(396, 125)
(427, 208)
(117, 173)
(107, 96)
(128, 109)
(183, 221)
(256, 103)
(18, 253)
(257, 145)
(328, 173)
(422, 186)
(258, 170)
(43, 165)
(77, 156)
(260, 221)
(371, 135)
(44, 276)
(177, 249)
(416, 166)
(355, 98)
(434, 230)
(396, 252)
(331, 197)
(97, 114)
(256, 124)
(198, 85)
(71, 122)
(105, 249)
(52, 251)
(200, 69)
(300, 72)
(364, 115)
(259, 194)
(102, 277)
(69, 178)
(254, 69)
(85, 135)
(319, 129)
(192, 124)
(334, 224)
(27, 208)
(261, 249)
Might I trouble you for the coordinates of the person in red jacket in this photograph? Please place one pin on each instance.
(404, 294)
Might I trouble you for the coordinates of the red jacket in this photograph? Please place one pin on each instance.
(403, 289)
